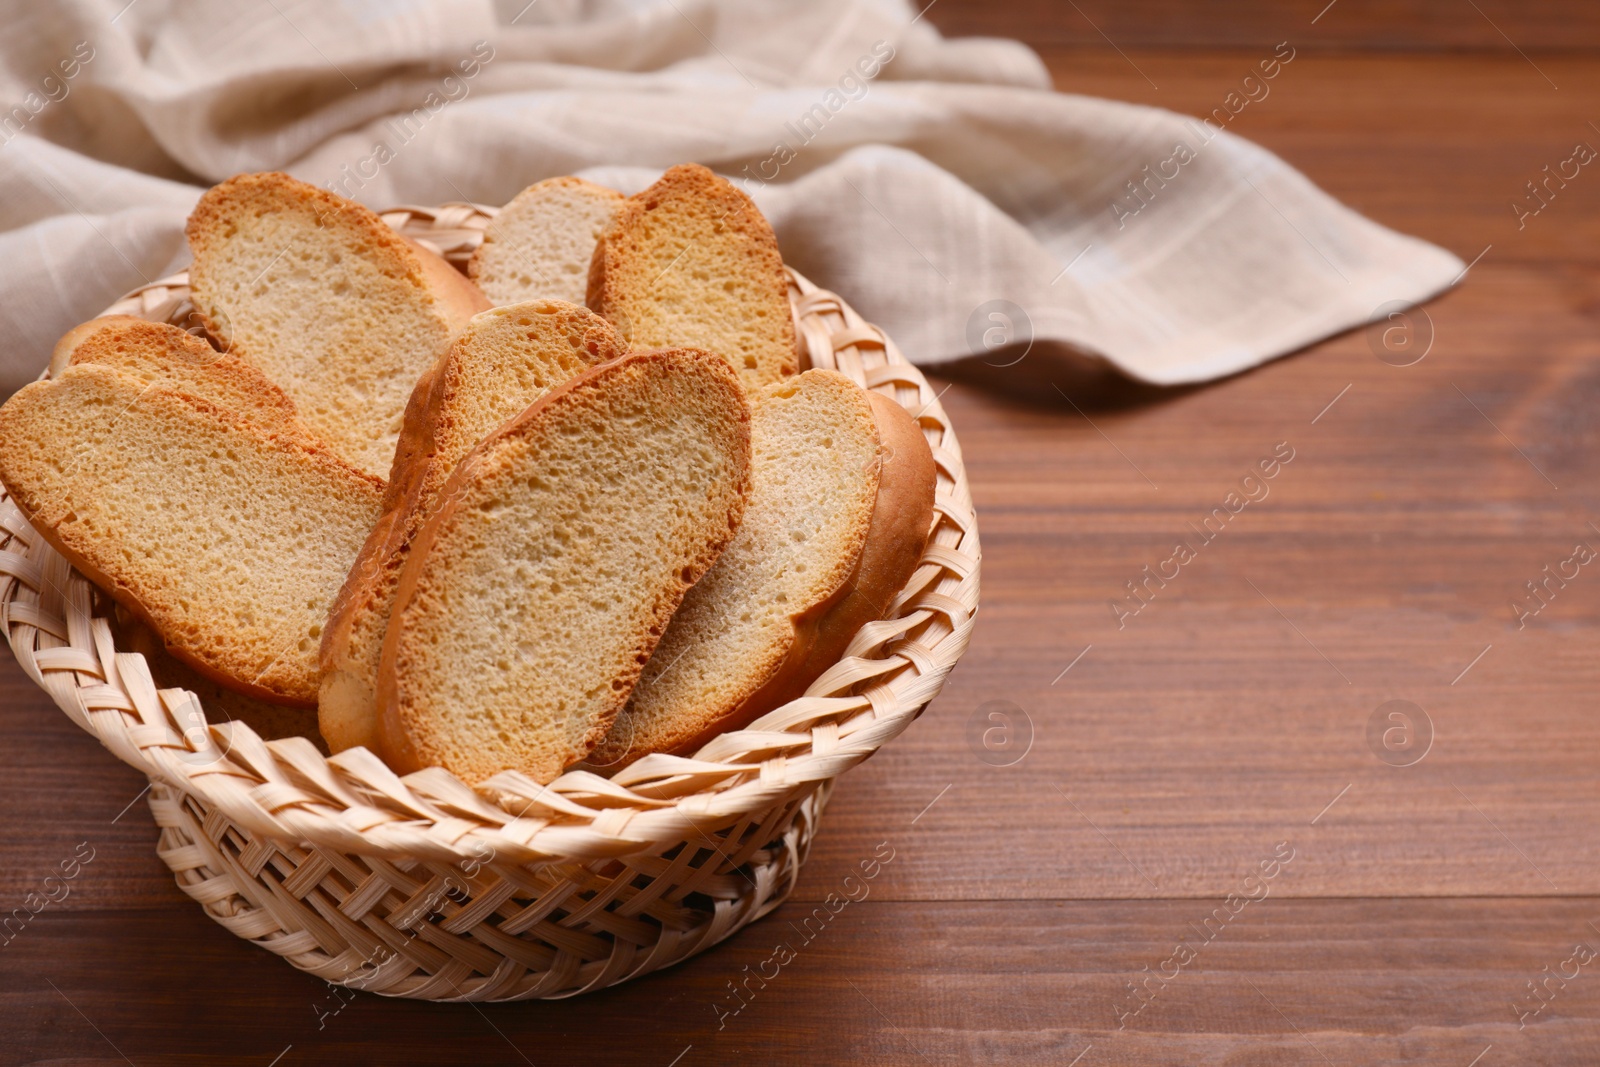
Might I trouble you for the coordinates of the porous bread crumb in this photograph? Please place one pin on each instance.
(539, 246)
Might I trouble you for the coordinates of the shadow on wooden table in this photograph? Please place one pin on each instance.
(1051, 374)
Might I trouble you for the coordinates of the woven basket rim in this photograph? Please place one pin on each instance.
(288, 791)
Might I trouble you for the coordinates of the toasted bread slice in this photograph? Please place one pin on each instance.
(161, 354)
(337, 308)
(562, 546)
(765, 620)
(229, 539)
(902, 519)
(691, 261)
(506, 359)
(540, 245)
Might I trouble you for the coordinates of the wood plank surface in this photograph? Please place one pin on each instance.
(1154, 772)
(1378, 25)
(1356, 982)
(1439, 146)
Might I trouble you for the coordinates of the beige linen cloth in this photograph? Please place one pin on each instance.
(939, 185)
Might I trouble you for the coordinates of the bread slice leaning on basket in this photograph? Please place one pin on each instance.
(841, 500)
(902, 518)
(507, 358)
(536, 592)
(539, 246)
(330, 302)
(158, 353)
(691, 261)
(230, 539)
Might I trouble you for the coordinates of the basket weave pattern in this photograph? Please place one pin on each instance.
(429, 888)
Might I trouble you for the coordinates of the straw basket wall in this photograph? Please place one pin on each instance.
(426, 887)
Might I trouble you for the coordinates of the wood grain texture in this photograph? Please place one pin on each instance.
(1362, 982)
(1377, 25)
(1229, 715)
(1438, 146)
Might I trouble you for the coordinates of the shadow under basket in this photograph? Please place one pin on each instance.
(427, 887)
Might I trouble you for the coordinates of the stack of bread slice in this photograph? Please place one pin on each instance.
(836, 523)
(158, 352)
(476, 524)
(506, 359)
(536, 593)
(229, 538)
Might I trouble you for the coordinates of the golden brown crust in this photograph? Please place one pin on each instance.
(272, 190)
(402, 736)
(344, 694)
(901, 518)
(416, 434)
(595, 285)
(61, 355)
(449, 437)
(160, 353)
(130, 600)
(620, 294)
(459, 298)
(338, 704)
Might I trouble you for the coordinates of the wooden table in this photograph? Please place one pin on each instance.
(1065, 908)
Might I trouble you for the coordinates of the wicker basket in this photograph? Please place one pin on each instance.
(425, 887)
